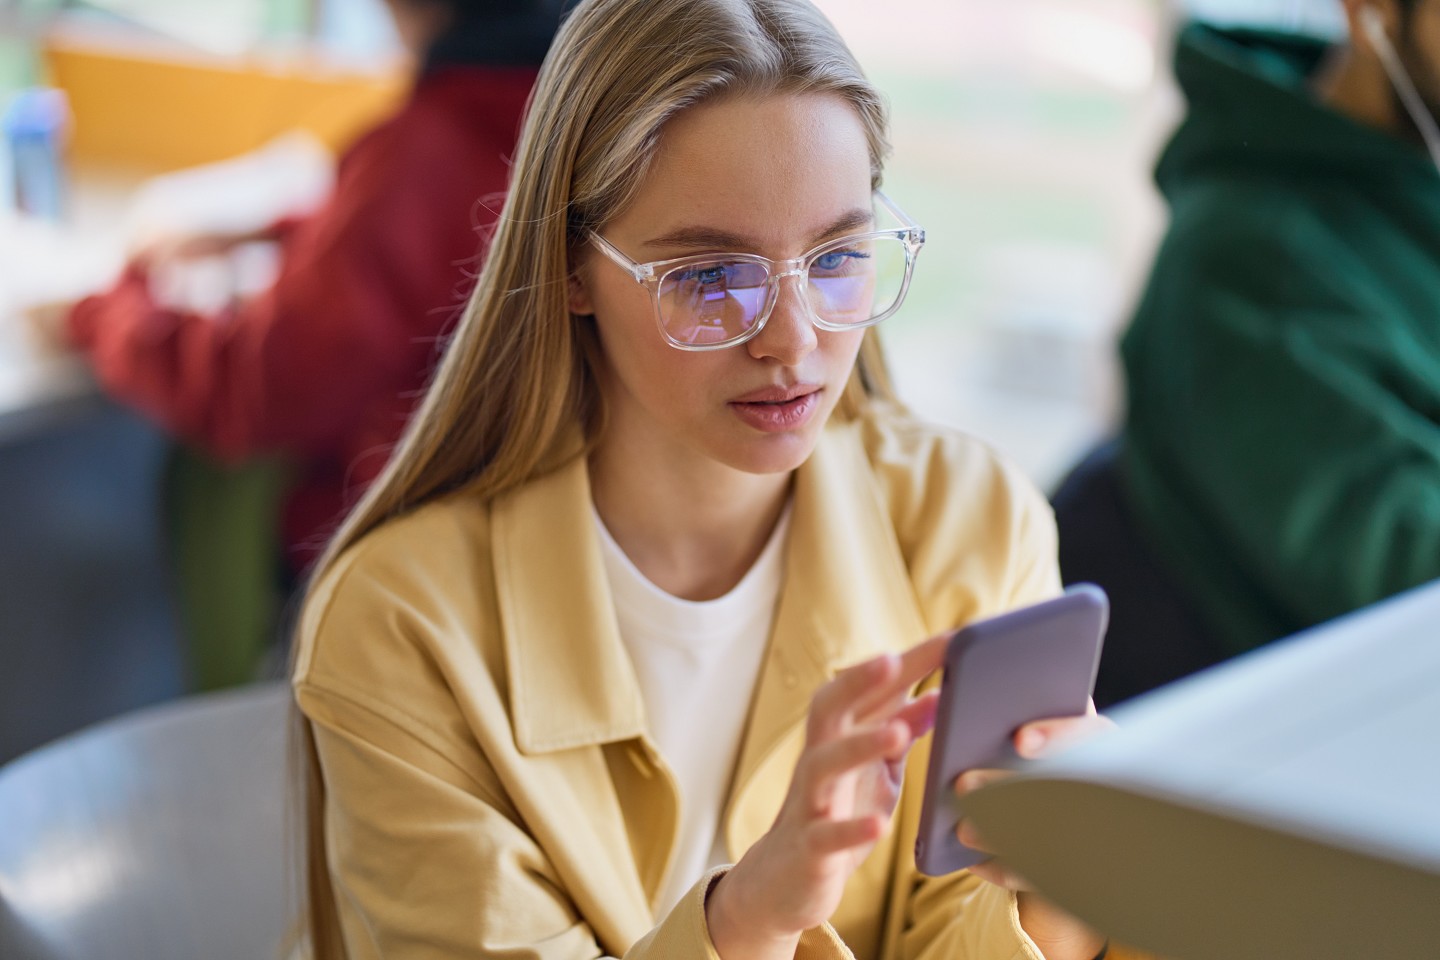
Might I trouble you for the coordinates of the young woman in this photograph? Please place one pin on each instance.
(615, 657)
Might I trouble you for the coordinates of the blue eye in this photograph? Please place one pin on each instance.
(836, 260)
(727, 274)
(707, 275)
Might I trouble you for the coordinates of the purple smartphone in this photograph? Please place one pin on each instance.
(1000, 674)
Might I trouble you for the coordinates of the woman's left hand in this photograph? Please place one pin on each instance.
(1058, 935)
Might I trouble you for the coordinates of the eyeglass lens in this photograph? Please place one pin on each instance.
(716, 301)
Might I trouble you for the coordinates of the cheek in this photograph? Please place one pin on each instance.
(640, 362)
(842, 348)
(653, 383)
(623, 313)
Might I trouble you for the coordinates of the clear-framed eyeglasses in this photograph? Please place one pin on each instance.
(715, 300)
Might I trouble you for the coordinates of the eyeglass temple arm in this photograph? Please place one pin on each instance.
(640, 271)
(904, 218)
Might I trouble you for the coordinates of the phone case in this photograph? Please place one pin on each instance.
(1000, 674)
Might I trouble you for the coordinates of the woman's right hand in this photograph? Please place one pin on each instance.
(841, 798)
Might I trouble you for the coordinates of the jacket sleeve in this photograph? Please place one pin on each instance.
(429, 859)
(1291, 413)
(990, 929)
(977, 537)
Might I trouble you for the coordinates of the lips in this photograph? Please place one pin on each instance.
(778, 393)
(777, 409)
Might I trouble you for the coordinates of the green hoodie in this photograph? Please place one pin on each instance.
(1282, 449)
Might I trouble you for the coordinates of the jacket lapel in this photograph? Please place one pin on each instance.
(572, 689)
(571, 682)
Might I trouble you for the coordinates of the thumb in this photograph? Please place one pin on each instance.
(1045, 737)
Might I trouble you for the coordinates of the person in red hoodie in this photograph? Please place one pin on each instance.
(325, 366)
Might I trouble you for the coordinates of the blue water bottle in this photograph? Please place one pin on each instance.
(35, 125)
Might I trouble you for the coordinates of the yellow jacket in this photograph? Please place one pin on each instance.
(490, 788)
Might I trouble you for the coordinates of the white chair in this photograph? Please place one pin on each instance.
(159, 835)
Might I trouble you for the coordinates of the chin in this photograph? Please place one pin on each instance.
(779, 453)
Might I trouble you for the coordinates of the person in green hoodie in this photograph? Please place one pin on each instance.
(1281, 454)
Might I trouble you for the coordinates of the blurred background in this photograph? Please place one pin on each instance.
(1024, 133)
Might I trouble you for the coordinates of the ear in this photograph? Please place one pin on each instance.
(578, 294)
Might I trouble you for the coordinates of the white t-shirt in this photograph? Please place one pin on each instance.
(697, 663)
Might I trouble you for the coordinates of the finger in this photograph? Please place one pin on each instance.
(882, 700)
(861, 692)
(835, 836)
(823, 765)
(919, 715)
(834, 702)
(155, 251)
(915, 665)
(1043, 737)
(966, 833)
(48, 319)
(992, 872)
(975, 779)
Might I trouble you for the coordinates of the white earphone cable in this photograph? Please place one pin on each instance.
(1374, 26)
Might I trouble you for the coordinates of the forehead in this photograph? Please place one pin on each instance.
(770, 168)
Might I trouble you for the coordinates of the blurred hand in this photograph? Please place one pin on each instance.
(1059, 935)
(841, 799)
(163, 251)
(47, 322)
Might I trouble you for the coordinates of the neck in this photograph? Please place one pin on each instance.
(1358, 88)
(696, 546)
(419, 25)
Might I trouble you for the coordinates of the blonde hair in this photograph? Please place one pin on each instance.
(519, 374)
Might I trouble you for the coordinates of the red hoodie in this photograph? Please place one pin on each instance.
(327, 365)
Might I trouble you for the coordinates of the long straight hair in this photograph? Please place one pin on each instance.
(516, 394)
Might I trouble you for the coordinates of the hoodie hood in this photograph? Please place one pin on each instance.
(518, 36)
(1252, 112)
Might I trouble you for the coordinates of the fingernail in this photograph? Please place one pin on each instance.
(898, 731)
(926, 721)
(1031, 741)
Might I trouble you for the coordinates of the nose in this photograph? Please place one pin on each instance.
(788, 335)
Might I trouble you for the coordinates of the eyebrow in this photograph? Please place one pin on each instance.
(709, 238)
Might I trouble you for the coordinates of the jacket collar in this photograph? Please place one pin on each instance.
(571, 682)
(846, 596)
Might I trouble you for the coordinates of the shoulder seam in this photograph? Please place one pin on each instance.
(406, 724)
